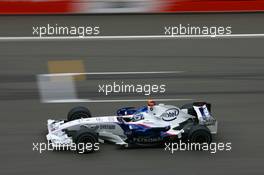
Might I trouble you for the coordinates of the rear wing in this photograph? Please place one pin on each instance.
(202, 111)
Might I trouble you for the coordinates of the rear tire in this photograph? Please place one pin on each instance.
(200, 134)
(78, 113)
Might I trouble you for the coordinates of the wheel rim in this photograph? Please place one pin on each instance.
(80, 115)
(83, 141)
(201, 139)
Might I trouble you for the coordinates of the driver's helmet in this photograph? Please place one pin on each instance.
(151, 103)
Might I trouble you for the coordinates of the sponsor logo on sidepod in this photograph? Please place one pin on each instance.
(171, 114)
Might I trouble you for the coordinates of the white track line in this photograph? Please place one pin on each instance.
(28, 38)
(111, 73)
(109, 101)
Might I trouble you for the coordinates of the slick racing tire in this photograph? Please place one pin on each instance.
(78, 112)
(86, 142)
(199, 134)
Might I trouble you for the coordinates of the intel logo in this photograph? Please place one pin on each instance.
(170, 114)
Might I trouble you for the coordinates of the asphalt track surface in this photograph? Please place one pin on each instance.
(229, 73)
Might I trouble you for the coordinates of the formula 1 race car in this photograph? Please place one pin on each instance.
(147, 126)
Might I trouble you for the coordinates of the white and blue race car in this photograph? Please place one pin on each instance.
(147, 126)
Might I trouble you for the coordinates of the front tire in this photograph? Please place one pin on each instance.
(85, 141)
(78, 113)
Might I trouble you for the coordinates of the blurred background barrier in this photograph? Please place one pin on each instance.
(127, 6)
(36, 6)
